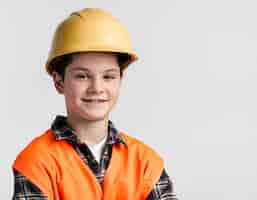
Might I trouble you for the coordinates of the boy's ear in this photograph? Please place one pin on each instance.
(58, 82)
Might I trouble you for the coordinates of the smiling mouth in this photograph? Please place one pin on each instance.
(94, 100)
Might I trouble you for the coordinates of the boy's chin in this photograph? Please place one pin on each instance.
(92, 118)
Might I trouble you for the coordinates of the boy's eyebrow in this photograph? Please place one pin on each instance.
(87, 70)
(113, 69)
(79, 69)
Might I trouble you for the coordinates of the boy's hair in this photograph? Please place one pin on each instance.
(60, 63)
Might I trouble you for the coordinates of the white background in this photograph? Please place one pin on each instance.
(191, 95)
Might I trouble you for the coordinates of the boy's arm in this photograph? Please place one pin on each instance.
(163, 189)
(25, 189)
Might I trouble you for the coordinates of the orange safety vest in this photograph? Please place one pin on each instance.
(57, 169)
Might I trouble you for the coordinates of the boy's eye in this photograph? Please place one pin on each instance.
(81, 76)
(109, 77)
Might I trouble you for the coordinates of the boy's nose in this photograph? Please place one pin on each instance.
(96, 85)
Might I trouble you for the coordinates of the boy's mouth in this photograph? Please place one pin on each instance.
(94, 100)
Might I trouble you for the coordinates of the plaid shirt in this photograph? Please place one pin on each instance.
(26, 190)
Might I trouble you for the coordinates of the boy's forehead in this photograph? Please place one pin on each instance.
(94, 61)
(95, 57)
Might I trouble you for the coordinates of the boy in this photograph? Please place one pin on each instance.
(83, 155)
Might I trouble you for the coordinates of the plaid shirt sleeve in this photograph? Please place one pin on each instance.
(24, 189)
(163, 189)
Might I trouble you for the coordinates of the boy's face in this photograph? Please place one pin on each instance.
(91, 85)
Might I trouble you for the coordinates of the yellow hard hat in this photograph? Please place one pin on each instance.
(90, 30)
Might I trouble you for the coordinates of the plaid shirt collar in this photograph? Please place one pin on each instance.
(63, 131)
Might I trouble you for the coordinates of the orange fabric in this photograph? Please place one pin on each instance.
(57, 169)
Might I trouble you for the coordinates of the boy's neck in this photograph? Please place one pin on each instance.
(90, 132)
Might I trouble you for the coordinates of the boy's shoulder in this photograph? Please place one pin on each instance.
(139, 145)
(149, 159)
(132, 140)
(38, 146)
